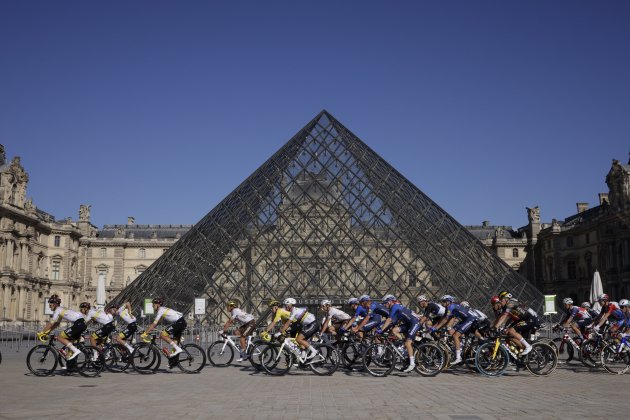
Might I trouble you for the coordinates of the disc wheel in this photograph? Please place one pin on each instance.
(192, 358)
(145, 358)
(542, 360)
(491, 363)
(220, 353)
(42, 360)
(326, 361)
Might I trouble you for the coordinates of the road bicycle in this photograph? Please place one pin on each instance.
(116, 356)
(568, 348)
(493, 357)
(278, 360)
(43, 359)
(221, 352)
(147, 356)
(615, 356)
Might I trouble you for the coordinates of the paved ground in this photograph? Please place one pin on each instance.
(238, 392)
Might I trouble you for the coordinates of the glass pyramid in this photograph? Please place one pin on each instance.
(325, 217)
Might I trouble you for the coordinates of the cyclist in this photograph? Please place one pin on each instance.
(610, 312)
(124, 312)
(456, 312)
(481, 324)
(334, 318)
(521, 319)
(248, 324)
(372, 312)
(279, 314)
(624, 304)
(591, 311)
(70, 334)
(306, 324)
(106, 321)
(401, 317)
(177, 326)
(357, 317)
(432, 311)
(575, 317)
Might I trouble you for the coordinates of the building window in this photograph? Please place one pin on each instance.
(571, 270)
(57, 240)
(103, 252)
(515, 253)
(142, 253)
(56, 269)
(588, 238)
(569, 241)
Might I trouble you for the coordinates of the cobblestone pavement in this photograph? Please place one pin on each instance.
(238, 392)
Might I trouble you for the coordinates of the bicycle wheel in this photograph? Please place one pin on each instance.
(145, 358)
(192, 359)
(42, 360)
(90, 362)
(276, 362)
(613, 362)
(326, 361)
(116, 358)
(430, 359)
(542, 360)
(591, 351)
(255, 351)
(351, 355)
(447, 354)
(565, 350)
(379, 359)
(220, 353)
(491, 363)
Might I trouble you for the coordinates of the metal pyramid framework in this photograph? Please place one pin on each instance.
(325, 217)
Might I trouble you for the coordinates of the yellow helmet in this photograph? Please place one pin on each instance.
(232, 304)
(273, 302)
(265, 336)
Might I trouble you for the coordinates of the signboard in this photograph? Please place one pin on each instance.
(200, 306)
(550, 304)
(148, 307)
(47, 310)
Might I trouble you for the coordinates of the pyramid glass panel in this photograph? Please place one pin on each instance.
(325, 217)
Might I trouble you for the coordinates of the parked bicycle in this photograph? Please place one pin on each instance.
(147, 357)
(43, 359)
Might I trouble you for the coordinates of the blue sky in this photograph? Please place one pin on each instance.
(159, 109)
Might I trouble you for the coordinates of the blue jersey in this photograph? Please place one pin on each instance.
(361, 312)
(400, 314)
(457, 311)
(377, 311)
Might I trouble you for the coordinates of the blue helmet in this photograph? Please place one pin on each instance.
(389, 298)
(365, 298)
(353, 301)
(448, 298)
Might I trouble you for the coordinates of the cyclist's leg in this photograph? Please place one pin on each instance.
(307, 332)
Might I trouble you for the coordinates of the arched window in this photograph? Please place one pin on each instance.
(515, 252)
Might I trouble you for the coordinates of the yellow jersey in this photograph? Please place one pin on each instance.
(282, 314)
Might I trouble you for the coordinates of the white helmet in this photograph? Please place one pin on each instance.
(465, 304)
(353, 301)
(586, 305)
(326, 302)
(624, 302)
(567, 300)
(289, 301)
(422, 298)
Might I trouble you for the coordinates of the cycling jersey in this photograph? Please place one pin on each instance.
(377, 311)
(478, 314)
(281, 314)
(100, 316)
(66, 315)
(577, 313)
(241, 316)
(614, 311)
(337, 315)
(403, 316)
(455, 310)
(434, 310)
(168, 314)
(517, 312)
(302, 316)
(125, 315)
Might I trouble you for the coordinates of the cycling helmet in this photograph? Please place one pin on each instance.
(603, 296)
(422, 298)
(326, 302)
(567, 300)
(448, 298)
(232, 304)
(586, 305)
(54, 299)
(389, 298)
(85, 305)
(273, 302)
(353, 301)
(624, 302)
(364, 298)
(495, 299)
(158, 301)
(289, 301)
(505, 295)
(465, 304)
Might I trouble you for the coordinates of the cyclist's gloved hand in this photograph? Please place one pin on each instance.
(379, 331)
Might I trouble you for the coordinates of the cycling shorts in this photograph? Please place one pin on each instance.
(309, 330)
(464, 325)
(104, 331)
(176, 328)
(409, 331)
(130, 330)
(371, 325)
(75, 330)
(247, 329)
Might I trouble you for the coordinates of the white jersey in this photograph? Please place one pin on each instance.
(66, 314)
(99, 316)
(125, 315)
(337, 314)
(241, 316)
(302, 316)
(168, 314)
(477, 314)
